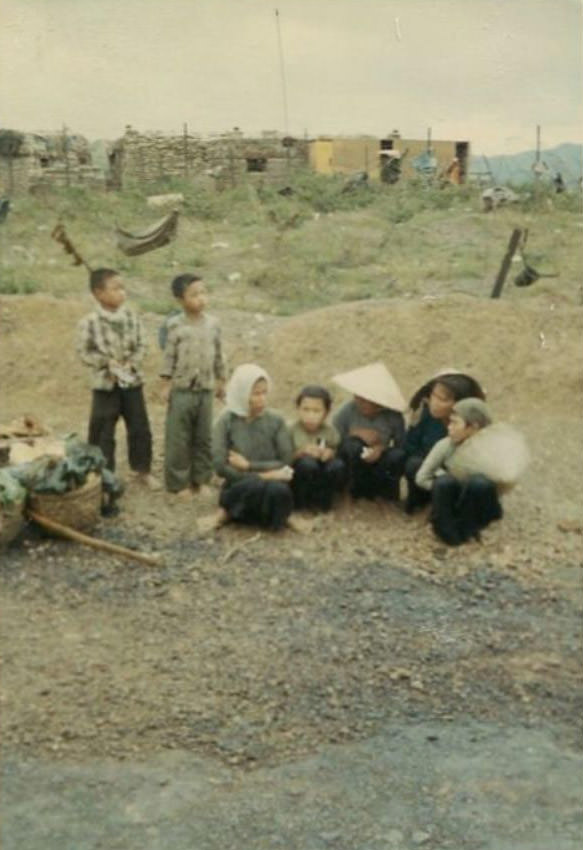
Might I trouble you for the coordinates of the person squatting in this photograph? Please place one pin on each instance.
(375, 446)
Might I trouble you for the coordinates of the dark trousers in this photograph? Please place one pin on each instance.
(254, 501)
(369, 480)
(315, 482)
(106, 408)
(417, 497)
(461, 509)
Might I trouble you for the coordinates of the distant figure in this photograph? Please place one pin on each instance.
(4, 209)
(559, 183)
(390, 166)
(453, 172)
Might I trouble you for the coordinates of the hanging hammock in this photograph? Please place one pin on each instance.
(156, 236)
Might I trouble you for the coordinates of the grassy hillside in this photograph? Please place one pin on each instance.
(262, 252)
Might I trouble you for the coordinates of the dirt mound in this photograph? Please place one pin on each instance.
(527, 357)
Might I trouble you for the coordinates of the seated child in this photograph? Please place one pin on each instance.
(431, 408)
(372, 429)
(318, 473)
(252, 451)
(459, 508)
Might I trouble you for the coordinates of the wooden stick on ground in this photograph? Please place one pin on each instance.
(234, 549)
(86, 540)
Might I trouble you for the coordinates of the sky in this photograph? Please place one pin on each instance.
(486, 71)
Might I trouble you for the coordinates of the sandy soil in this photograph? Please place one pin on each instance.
(256, 652)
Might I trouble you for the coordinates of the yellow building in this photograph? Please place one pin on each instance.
(338, 155)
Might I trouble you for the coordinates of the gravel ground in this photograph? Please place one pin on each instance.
(362, 687)
(312, 693)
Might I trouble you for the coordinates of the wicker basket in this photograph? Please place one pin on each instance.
(79, 509)
(11, 523)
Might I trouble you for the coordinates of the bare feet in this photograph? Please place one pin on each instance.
(186, 495)
(299, 524)
(208, 524)
(145, 479)
(203, 491)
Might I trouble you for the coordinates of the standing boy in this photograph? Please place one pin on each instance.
(192, 371)
(111, 342)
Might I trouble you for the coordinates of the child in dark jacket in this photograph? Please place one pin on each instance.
(318, 473)
(431, 408)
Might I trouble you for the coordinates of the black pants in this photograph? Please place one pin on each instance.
(461, 509)
(368, 480)
(254, 501)
(417, 497)
(315, 482)
(106, 408)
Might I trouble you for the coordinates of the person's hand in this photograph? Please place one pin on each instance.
(284, 473)
(238, 461)
(326, 454)
(112, 367)
(371, 454)
(311, 450)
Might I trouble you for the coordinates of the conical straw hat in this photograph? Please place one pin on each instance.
(374, 383)
(475, 389)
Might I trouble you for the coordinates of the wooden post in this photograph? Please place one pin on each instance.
(512, 246)
(232, 164)
(66, 153)
(185, 147)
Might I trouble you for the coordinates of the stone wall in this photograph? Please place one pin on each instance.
(30, 161)
(146, 158)
(142, 158)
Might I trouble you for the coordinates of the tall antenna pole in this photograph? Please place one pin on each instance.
(282, 71)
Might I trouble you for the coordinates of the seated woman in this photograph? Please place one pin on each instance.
(252, 451)
(431, 408)
(460, 507)
(318, 473)
(372, 429)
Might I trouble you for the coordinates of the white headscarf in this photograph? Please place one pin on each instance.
(241, 384)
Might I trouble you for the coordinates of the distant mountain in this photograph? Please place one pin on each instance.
(517, 168)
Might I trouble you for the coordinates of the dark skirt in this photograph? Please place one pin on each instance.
(461, 509)
(369, 480)
(254, 501)
(315, 482)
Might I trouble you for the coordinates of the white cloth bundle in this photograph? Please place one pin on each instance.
(498, 451)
